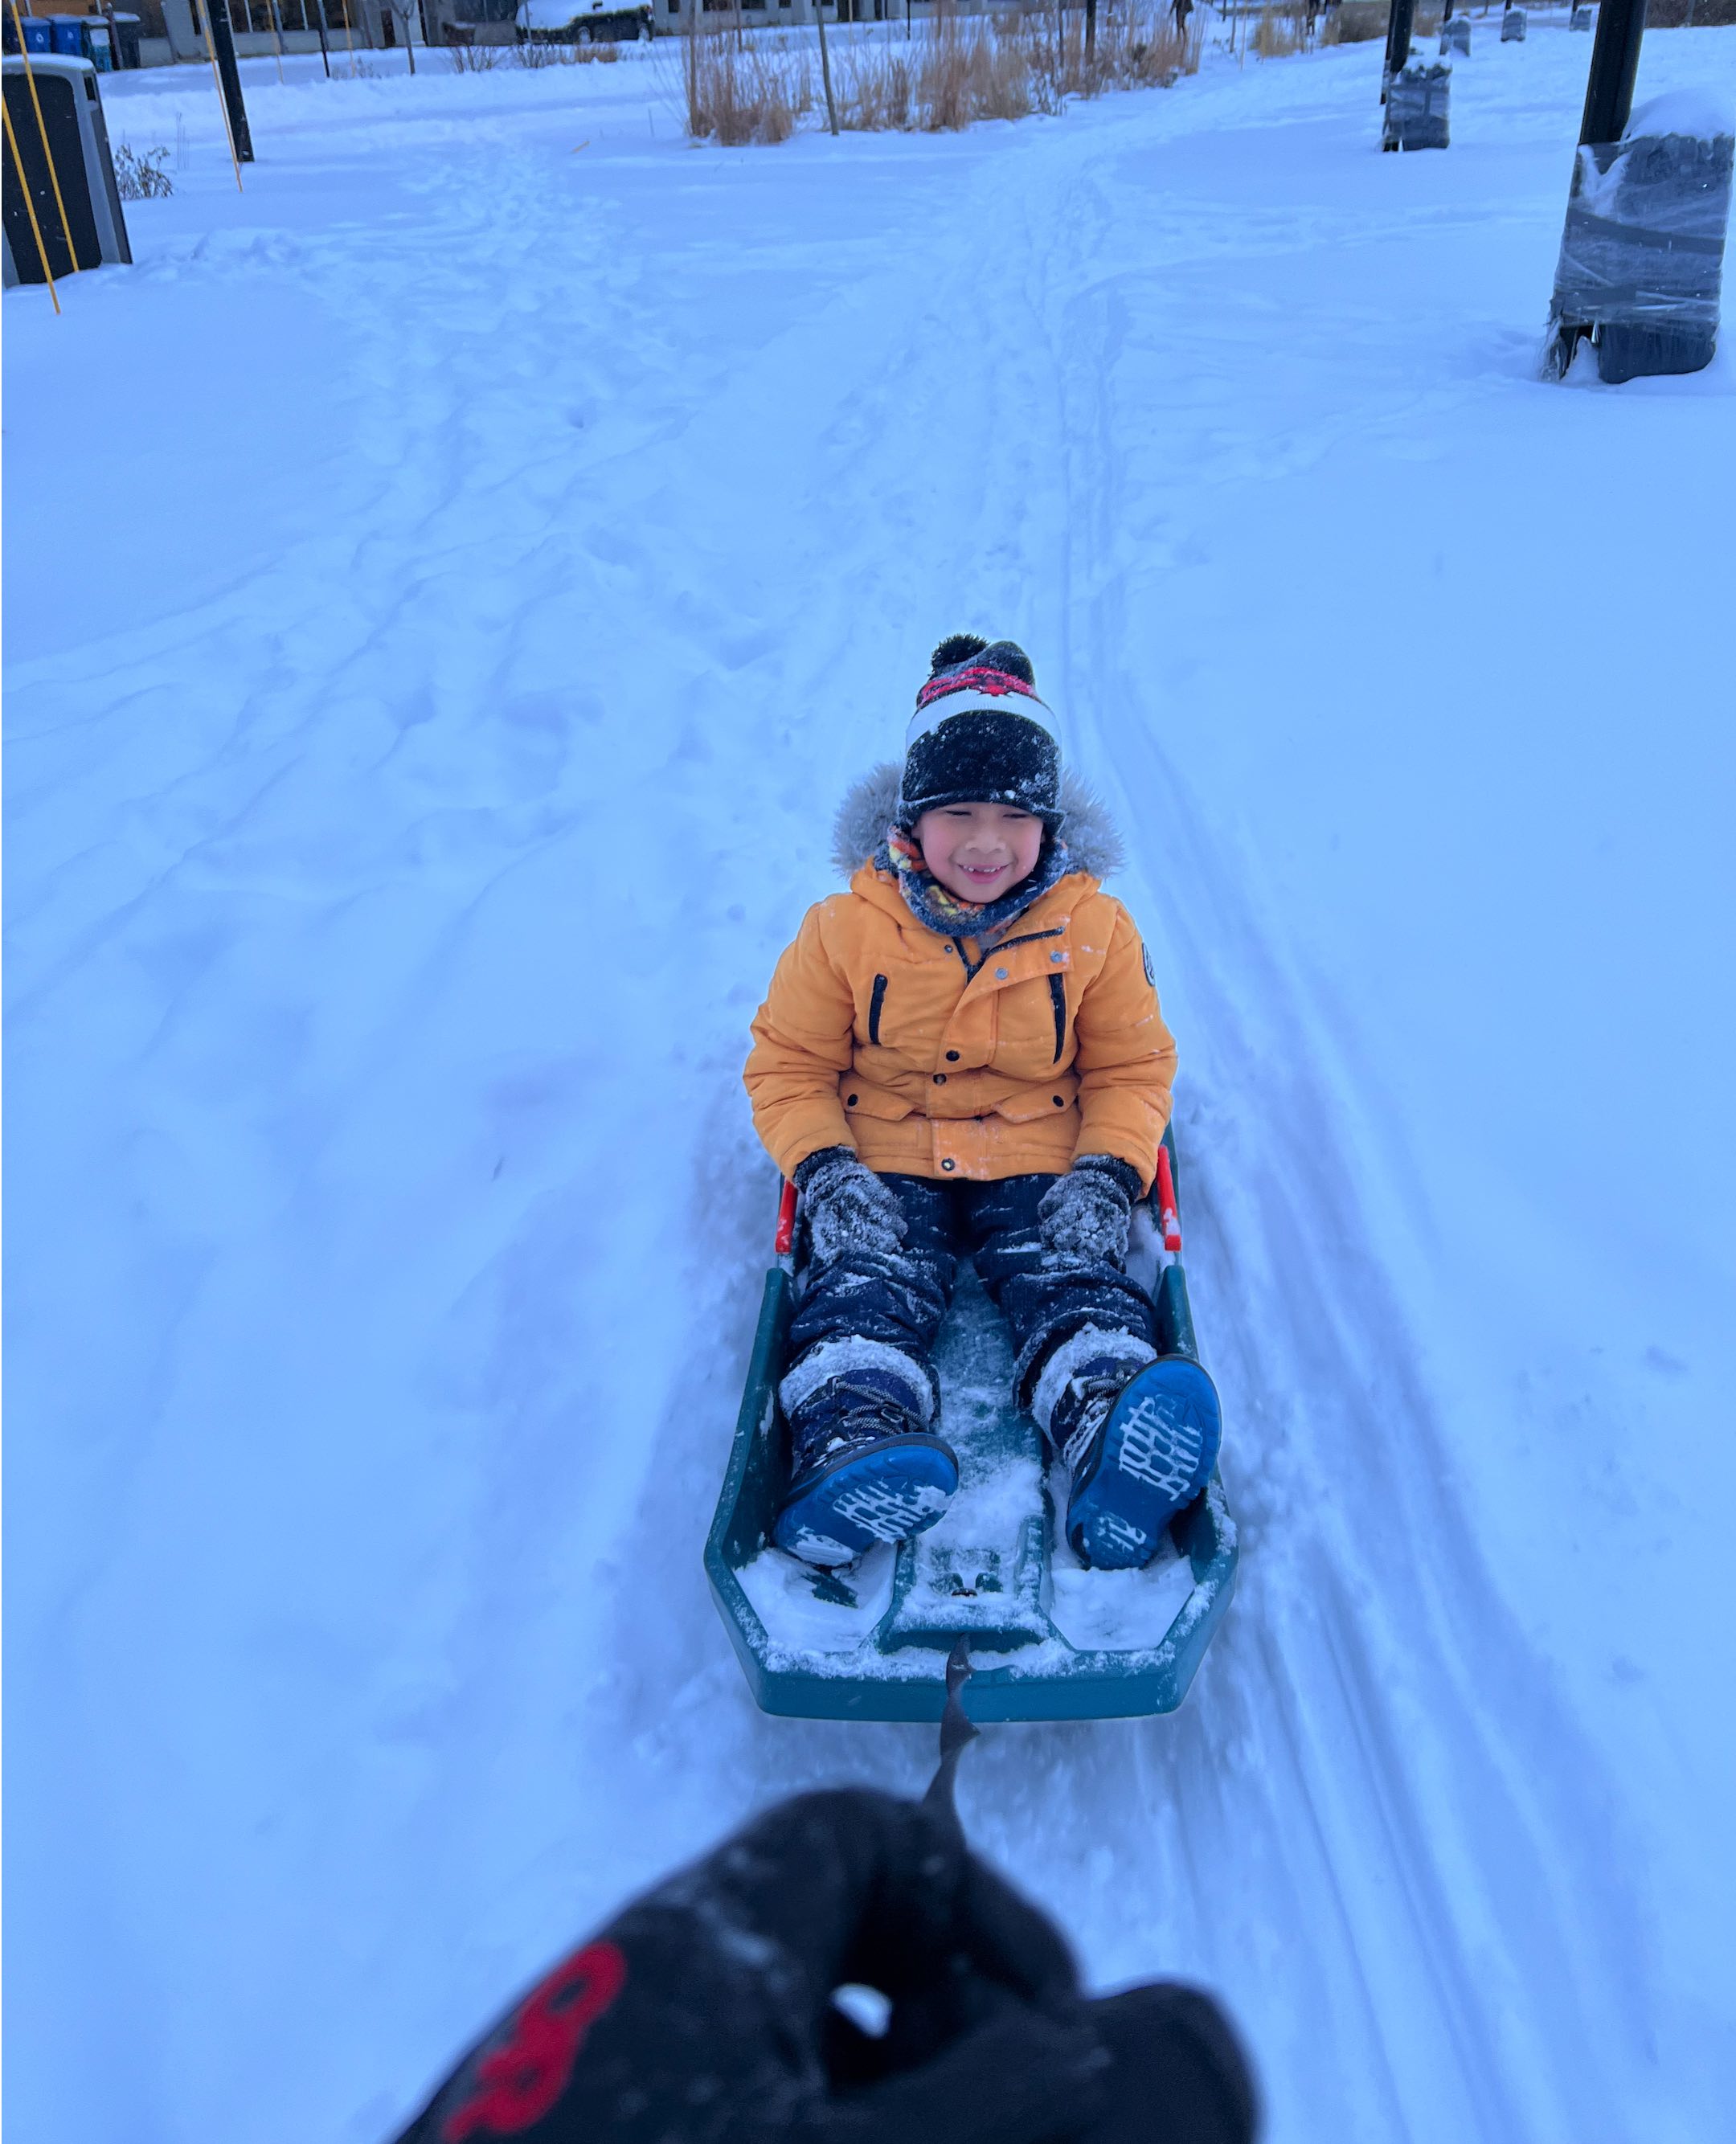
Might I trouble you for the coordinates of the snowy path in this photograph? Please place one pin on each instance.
(474, 696)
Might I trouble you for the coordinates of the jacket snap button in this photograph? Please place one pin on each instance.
(850, 1101)
(1058, 956)
(952, 1056)
(1000, 974)
(947, 1164)
(1059, 1100)
(939, 1079)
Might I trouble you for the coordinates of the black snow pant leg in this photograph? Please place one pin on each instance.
(1044, 1305)
(900, 1298)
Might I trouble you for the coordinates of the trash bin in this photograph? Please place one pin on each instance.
(82, 225)
(1642, 256)
(99, 48)
(129, 32)
(1416, 105)
(1455, 35)
(1513, 26)
(68, 37)
(1582, 18)
(38, 33)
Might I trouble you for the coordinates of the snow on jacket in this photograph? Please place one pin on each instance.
(933, 1057)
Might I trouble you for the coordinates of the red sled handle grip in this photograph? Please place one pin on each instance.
(784, 1240)
(1167, 1219)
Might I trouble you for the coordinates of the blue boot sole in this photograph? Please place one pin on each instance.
(1153, 1455)
(885, 1494)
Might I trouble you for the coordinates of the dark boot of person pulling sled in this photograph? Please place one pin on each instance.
(1110, 1621)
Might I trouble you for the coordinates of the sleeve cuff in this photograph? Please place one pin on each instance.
(811, 1165)
(1124, 1172)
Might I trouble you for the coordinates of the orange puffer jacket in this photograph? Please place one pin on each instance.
(880, 1034)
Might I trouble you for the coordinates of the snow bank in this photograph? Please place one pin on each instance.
(1700, 111)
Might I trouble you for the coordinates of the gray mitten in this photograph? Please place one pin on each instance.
(846, 1207)
(1084, 1217)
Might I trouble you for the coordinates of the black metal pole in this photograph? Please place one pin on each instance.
(325, 48)
(1399, 25)
(222, 37)
(1614, 62)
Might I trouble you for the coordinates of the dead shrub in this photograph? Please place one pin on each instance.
(142, 174)
(967, 73)
(873, 90)
(1355, 22)
(549, 52)
(735, 92)
(1141, 49)
(1280, 31)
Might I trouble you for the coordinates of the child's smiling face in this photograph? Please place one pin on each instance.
(979, 851)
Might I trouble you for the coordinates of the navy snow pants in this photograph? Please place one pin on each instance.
(902, 1299)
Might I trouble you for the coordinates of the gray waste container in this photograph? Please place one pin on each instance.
(1416, 105)
(1641, 268)
(95, 231)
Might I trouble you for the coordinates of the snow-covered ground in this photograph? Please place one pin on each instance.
(448, 584)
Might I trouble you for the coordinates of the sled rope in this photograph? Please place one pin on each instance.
(957, 1733)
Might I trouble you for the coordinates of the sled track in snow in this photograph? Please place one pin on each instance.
(1369, 1756)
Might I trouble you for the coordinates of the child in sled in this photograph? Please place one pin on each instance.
(964, 1054)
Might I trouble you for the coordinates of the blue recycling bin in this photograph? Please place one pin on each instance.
(38, 34)
(69, 36)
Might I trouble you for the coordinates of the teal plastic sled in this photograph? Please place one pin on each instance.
(1048, 1640)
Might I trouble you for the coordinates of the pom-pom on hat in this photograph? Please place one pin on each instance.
(980, 735)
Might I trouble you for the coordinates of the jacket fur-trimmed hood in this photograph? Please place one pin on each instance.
(1093, 842)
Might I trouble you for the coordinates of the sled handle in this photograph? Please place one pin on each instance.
(784, 1240)
(1167, 1219)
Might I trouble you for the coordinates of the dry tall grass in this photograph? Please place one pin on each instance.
(532, 52)
(738, 90)
(1354, 22)
(1280, 31)
(955, 72)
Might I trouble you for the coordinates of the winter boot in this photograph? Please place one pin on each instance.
(866, 1466)
(1140, 1435)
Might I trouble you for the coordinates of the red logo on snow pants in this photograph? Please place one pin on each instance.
(519, 2082)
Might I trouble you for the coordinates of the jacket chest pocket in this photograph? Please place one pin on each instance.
(906, 1010)
(1034, 1027)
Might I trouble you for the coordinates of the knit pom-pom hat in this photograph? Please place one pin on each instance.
(981, 734)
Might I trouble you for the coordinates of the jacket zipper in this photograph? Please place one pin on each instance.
(1006, 945)
(1057, 996)
(875, 1003)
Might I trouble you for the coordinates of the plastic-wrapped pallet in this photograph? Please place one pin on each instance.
(1642, 256)
(1416, 105)
(1582, 18)
(1513, 26)
(1455, 35)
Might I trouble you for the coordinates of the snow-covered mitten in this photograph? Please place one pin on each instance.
(846, 1207)
(1084, 1217)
